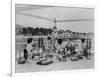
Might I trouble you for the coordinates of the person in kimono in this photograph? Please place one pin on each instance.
(28, 50)
(54, 37)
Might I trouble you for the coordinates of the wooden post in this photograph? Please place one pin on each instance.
(54, 22)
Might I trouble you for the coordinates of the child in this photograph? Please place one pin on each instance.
(84, 47)
(49, 44)
(28, 50)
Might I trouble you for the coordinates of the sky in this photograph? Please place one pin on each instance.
(43, 16)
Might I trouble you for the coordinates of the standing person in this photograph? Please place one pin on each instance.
(54, 38)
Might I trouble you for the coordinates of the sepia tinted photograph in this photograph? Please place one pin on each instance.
(53, 38)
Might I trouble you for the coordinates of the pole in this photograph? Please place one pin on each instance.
(54, 22)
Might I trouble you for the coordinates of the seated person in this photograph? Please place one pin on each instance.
(28, 50)
(49, 43)
(60, 49)
(70, 46)
(78, 49)
(59, 42)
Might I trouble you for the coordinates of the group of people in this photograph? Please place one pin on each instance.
(56, 49)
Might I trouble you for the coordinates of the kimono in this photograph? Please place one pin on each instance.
(28, 52)
(54, 40)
